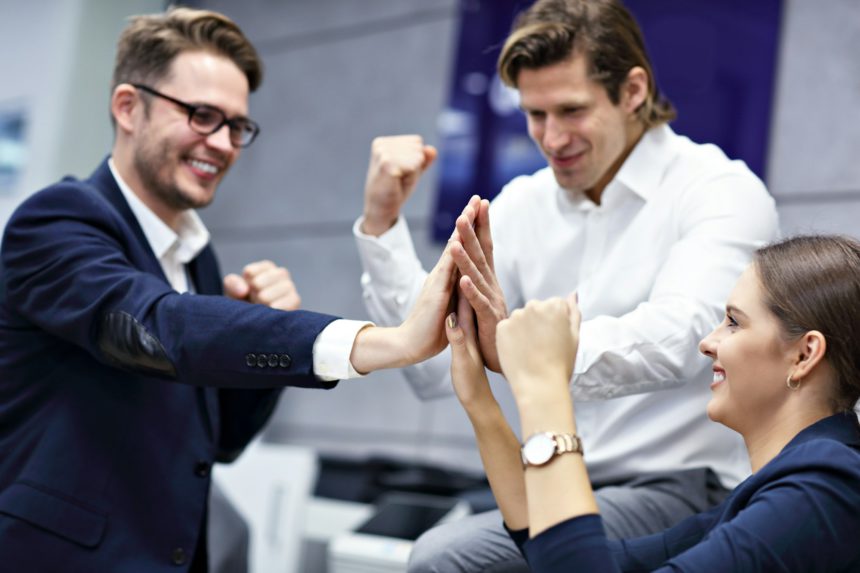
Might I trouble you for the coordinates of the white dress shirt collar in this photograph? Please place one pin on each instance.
(184, 244)
(640, 174)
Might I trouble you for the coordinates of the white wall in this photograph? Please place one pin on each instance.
(56, 64)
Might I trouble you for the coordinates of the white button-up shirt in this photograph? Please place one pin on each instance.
(653, 265)
(175, 249)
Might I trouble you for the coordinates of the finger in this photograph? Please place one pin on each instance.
(274, 277)
(275, 292)
(480, 303)
(253, 269)
(430, 155)
(465, 313)
(290, 301)
(574, 312)
(473, 247)
(455, 334)
(482, 228)
(236, 287)
(467, 268)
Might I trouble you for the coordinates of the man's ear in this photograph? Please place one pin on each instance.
(810, 350)
(123, 103)
(634, 90)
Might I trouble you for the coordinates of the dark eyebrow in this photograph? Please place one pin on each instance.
(734, 311)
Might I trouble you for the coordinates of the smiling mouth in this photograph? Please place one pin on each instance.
(205, 167)
(719, 377)
(567, 160)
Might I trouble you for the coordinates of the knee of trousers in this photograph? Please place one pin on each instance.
(436, 550)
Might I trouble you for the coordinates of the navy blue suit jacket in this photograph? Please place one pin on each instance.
(799, 513)
(116, 392)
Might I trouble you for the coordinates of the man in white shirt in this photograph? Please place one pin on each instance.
(649, 228)
(119, 388)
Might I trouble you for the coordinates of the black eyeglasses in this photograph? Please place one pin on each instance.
(206, 120)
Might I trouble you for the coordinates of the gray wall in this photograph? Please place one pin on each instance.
(340, 72)
(814, 171)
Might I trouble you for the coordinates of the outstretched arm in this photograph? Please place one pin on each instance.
(420, 336)
(497, 444)
(537, 348)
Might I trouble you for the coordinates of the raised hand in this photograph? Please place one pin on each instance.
(537, 347)
(396, 164)
(467, 365)
(473, 255)
(263, 282)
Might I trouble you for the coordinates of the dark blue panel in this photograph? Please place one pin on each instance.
(714, 59)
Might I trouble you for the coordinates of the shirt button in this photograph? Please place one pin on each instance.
(262, 360)
(285, 360)
(178, 557)
(400, 300)
(201, 469)
(250, 360)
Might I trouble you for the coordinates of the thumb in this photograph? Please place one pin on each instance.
(430, 154)
(236, 287)
(456, 337)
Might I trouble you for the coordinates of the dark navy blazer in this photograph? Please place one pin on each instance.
(116, 392)
(799, 513)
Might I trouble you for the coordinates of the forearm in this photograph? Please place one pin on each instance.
(500, 454)
(377, 348)
(560, 489)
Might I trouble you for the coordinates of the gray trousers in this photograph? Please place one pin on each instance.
(641, 506)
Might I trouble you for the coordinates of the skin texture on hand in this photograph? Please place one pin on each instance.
(474, 257)
(265, 283)
(422, 334)
(396, 165)
(537, 347)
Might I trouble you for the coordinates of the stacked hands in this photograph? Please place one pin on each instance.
(535, 347)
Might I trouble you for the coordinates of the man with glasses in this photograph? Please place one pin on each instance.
(124, 374)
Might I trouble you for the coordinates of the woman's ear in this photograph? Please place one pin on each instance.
(123, 102)
(634, 91)
(810, 349)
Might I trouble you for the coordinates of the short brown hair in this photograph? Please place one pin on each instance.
(813, 283)
(602, 30)
(150, 43)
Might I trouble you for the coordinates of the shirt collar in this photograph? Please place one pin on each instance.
(191, 238)
(640, 174)
(643, 170)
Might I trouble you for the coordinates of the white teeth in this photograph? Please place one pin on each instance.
(719, 376)
(203, 166)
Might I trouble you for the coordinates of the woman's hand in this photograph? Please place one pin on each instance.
(537, 347)
(467, 364)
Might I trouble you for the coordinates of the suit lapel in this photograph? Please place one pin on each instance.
(103, 181)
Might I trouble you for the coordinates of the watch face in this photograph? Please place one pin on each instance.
(538, 449)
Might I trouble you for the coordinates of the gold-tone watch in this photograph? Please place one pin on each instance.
(542, 447)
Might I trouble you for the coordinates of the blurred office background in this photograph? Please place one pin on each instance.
(340, 72)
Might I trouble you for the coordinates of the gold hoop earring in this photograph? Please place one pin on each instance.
(792, 384)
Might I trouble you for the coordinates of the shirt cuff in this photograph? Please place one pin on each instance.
(333, 347)
(392, 249)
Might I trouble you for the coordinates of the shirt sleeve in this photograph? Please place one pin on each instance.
(578, 544)
(332, 349)
(655, 346)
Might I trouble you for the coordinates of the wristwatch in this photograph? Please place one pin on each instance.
(542, 447)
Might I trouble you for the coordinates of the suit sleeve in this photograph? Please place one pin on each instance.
(71, 271)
